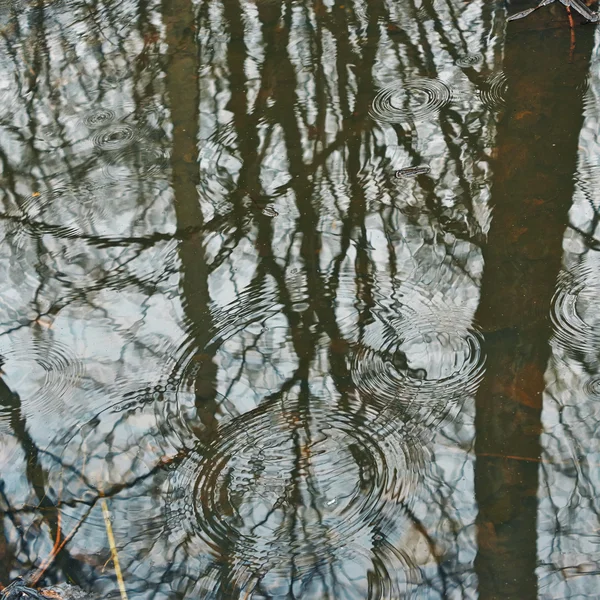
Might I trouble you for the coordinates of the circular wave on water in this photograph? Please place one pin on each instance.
(99, 118)
(256, 303)
(416, 99)
(424, 367)
(591, 387)
(122, 448)
(98, 208)
(66, 208)
(469, 60)
(143, 161)
(115, 137)
(576, 310)
(282, 492)
(44, 373)
(493, 91)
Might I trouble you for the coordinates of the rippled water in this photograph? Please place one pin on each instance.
(300, 300)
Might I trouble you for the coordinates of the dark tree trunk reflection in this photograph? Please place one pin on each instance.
(182, 86)
(532, 193)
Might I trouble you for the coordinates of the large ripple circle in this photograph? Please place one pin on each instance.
(44, 373)
(275, 484)
(423, 367)
(416, 99)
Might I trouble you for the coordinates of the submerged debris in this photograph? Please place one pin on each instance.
(579, 6)
(412, 171)
(18, 590)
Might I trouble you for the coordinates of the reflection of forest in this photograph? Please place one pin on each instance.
(268, 366)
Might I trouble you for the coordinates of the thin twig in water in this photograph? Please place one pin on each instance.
(57, 548)
(113, 549)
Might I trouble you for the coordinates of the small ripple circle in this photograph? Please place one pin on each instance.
(416, 99)
(469, 60)
(114, 137)
(493, 91)
(45, 373)
(99, 118)
(592, 387)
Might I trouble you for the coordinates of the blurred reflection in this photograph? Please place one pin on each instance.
(568, 516)
(242, 259)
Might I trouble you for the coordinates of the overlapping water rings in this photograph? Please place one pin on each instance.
(254, 310)
(424, 365)
(575, 310)
(110, 127)
(137, 160)
(88, 208)
(66, 209)
(307, 486)
(493, 91)
(255, 304)
(417, 99)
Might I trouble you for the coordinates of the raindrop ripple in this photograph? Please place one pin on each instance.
(114, 137)
(417, 99)
(575, 307)
(43, 372)
(238, 491)
(493, 91)
(424, 367)
(99, 118)
(469, 60)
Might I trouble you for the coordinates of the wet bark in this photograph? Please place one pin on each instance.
(532, 193)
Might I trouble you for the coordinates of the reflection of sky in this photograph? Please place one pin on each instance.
(112, 308)
(568, 524)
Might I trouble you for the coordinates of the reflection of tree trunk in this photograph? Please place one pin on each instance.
(182, 86)
(37, 479)
(537, 149)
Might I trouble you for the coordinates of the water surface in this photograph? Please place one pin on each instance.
(301, 297)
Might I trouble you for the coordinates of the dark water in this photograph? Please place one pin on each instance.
(300, 300)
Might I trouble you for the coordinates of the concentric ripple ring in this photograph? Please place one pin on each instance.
(238, 491)
(114, 137)
(422, 367)
(99, 118)
(574, 309)
(493, 91)
(469, 60)
(416, 99)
